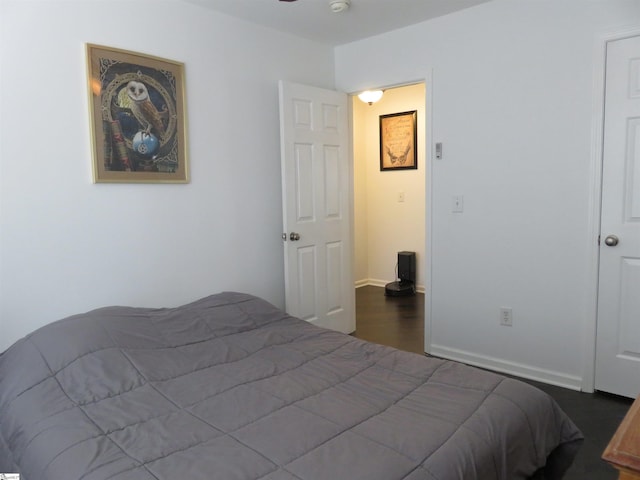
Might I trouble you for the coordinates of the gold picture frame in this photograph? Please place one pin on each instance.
(138, 117)
(398, 141)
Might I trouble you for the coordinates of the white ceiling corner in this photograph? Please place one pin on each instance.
(314, 20)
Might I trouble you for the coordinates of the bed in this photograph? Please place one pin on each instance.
(230, 387)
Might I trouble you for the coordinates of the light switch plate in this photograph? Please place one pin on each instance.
(439, 150)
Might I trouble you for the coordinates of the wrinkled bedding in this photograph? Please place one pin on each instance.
(230, 387)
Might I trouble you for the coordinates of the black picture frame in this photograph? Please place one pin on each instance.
(399, 141)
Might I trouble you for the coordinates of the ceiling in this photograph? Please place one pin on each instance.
(314, 20)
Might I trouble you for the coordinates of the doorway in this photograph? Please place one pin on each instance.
(390, 205)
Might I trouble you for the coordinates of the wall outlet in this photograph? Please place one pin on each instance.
(400, 197)
(506, 317)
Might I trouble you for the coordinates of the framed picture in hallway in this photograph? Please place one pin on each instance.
(138, 123)
(398, 141)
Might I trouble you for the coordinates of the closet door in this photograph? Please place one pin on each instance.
(618, 334)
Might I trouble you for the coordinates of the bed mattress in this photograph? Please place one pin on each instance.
(230, 387)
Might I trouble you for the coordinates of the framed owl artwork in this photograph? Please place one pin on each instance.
(137, 110)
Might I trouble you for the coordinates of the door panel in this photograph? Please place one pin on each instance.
(306, 279)
(334, 264)
(618, 334)
(629, 308)
(632, 173)
(315, 198)
(305, 205)
(332, 183)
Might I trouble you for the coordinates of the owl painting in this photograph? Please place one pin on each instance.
(143, 109)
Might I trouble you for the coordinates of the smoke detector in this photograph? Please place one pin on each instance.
(338, 6)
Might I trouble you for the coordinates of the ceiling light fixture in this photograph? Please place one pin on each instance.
(338, 6)
(370, 96)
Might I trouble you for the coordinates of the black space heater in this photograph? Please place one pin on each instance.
(406, 285)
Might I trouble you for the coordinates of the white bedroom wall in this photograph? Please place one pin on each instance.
(385, 226)
(512, 102)
(67, 245)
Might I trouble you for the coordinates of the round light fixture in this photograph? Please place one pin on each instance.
(338, 6)
(370, 96)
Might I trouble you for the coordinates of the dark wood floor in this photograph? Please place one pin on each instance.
(394, 321)
(399, 322)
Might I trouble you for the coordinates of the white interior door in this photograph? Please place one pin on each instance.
(316, 179)
(618, 334)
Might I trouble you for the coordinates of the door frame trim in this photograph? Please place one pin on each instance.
(429, 156)
(595, 199)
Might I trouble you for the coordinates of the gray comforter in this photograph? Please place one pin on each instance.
(229, 387)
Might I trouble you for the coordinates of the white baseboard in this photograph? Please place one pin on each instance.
(499, 365)
(381, 283)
